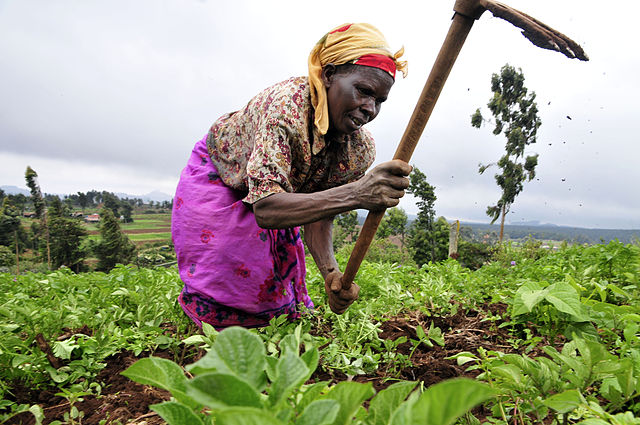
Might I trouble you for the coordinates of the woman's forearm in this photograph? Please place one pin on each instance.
(283, 210)
(319, 239)
(380, 188)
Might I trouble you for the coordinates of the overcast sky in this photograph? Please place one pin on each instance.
(112, 95)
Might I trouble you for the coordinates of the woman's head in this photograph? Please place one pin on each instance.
(355, 94)
(351, 54)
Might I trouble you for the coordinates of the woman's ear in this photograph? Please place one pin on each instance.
(328, 72)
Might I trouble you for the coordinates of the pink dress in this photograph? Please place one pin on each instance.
(241, 277)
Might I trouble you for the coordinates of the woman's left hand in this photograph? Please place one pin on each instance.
(339, 299)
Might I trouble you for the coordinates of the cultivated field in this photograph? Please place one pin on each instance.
(534, 337)
(145, 228)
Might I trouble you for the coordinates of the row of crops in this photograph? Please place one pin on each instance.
(570, 352)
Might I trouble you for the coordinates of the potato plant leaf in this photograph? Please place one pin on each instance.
(527, 297)
(350, 395)
(564, 402)
(443, 403)
(175, 413)
(387, 401)
(163, 374)
(312, 392)
(220, 391)
(236, 352)
(566, 299)
(63, 349)
(319, 412)
(246, 416)
(291, 372)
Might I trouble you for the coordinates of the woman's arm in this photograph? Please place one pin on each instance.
(319, 239)
(380, 188)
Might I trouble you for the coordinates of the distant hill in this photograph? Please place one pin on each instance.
(155, 196)
(547, 231)
(558, 233)
(15, 190)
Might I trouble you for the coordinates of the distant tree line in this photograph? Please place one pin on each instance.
(56, 236)
(84, 201)
(420, 241)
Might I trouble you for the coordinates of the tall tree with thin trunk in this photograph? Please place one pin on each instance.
(516, 116)
(38, 204)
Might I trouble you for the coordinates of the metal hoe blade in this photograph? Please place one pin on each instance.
(538, 33)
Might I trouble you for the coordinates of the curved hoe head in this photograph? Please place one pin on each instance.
(538, 33)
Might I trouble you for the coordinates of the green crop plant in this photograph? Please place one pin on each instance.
(236, 382)
(434, 334)
(82, 319)
(583, 372)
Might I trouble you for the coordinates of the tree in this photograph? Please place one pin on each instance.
(345, 229)
(66, 236)
(127, 211)
(112, 202)
(19, 201)
(9, 223)
(114, 246)
(10, 232)
(83, 200)
(516, 116)
(39, 206)
(394, 222)
(425, 237)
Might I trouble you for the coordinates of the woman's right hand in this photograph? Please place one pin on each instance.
(383, 186)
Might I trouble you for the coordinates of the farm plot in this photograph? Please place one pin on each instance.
(145, 228)
(553, 335)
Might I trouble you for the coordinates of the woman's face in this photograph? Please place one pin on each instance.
(354, 97)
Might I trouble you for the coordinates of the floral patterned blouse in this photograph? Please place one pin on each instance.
(272, 146)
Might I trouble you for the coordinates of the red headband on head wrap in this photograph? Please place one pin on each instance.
(382, 62)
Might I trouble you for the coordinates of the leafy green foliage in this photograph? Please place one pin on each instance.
(114, 247)
(66, 236)
(84, 318)
(393, 223)
(428, 238)
(9, 223)
(583, 298)
(345, 228)
(237, 384)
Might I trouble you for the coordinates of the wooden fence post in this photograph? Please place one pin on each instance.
(454, 231)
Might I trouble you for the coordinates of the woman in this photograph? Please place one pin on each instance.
(295, 155)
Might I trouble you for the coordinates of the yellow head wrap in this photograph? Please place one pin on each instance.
(344, 44)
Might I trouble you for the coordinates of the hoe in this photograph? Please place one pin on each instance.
(466, 12)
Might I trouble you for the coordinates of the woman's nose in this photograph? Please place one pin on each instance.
(369, 107)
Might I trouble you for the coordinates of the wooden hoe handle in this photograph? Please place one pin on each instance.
(466, 12)
(458, 31)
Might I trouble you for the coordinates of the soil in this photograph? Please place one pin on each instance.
(126, 402)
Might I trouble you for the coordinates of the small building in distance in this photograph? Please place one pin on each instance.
(92, 218)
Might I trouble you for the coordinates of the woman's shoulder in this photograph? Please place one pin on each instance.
(293, 92)
(286, 103)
